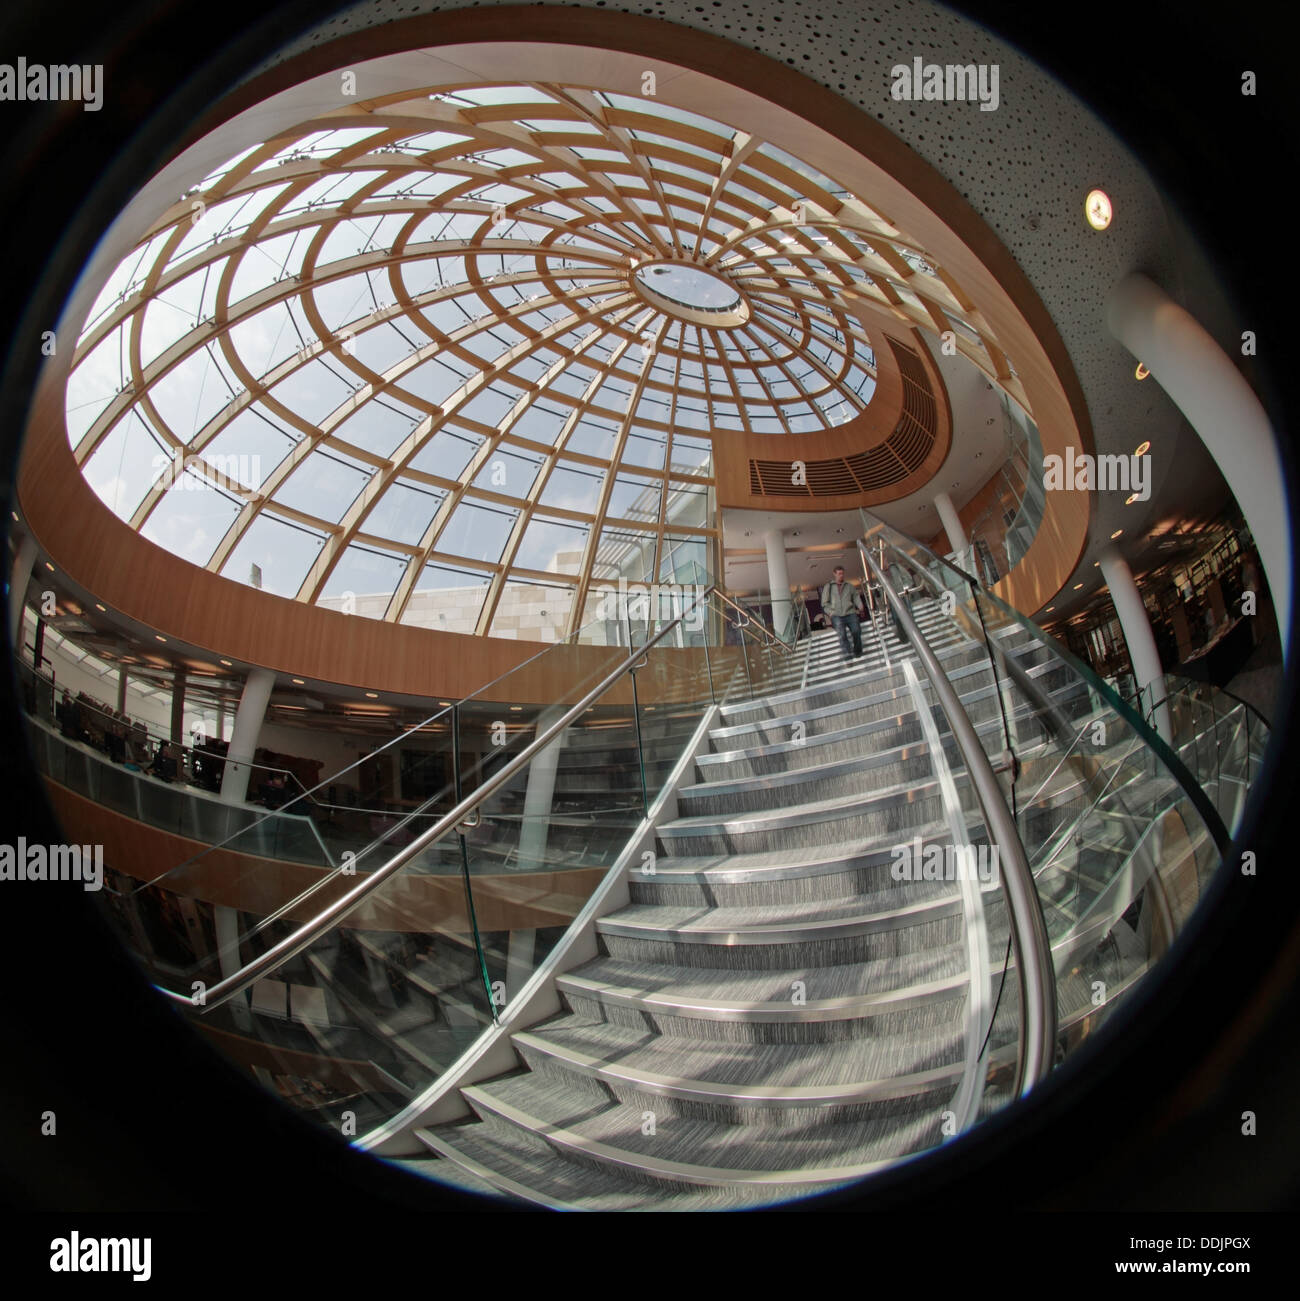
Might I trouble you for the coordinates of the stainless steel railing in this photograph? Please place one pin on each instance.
(464, 810)
(1034, 967)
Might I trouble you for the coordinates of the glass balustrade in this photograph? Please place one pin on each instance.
(1119, 834)
(360, 1019)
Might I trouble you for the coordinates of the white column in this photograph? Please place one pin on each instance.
(778, 580)
(1209, 390)
(20, 576)
(539, 795)
(957, 539)
(178, 706)
(226, 924)
(1138, 637)
(243, 739)
(519, 961)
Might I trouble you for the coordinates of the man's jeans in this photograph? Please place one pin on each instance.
(849, 630)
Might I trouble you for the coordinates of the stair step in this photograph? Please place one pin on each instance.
(734, 1077)
(683, 1152)
(771, 1006)
(920, 901)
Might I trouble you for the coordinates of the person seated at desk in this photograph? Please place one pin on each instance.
(273, 792)
(115, 740)
(69, 716)
(164, 766)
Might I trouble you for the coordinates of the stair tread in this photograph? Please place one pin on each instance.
(705, 1148)
(733, 987)
(723, 866)
(548, 1181)
(773, 1068)
(809, 809)
(685, 918)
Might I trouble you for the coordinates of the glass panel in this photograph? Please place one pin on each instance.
(250, 447)
(363, 582)
(552, 545)
(190, 394)
(126, 464)
(1120, 838)
(323, 486)
(476, 532)
(403, 513)
(532, 611)
(447, 598)
(190, 519)
(280, 553)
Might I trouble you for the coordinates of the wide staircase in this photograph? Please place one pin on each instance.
(723, 921)
(776, 1012)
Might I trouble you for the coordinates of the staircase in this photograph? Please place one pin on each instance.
(775, 1014)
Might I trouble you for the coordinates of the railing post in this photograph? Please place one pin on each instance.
(464, 866)
(640, 745)
(708, 668)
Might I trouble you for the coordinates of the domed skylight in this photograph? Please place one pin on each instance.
(456, 358)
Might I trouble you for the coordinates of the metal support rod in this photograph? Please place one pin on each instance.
(708, 668)
(464, 866)
(640, 744)
(1034, 967)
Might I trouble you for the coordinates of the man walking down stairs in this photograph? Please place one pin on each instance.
(841, 603)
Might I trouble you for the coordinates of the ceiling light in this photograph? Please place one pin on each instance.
(1116, 534)
(1049, 609)
(159, 637)
(227, 663)
(372, 695)
(1130, 499)
(1098, 209)
(1077, 586)
(1143, 449)
(49, 566)
(102, 608)
(298, 682)
(1141, 372)
(14, 513)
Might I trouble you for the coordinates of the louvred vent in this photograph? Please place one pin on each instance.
(880, 467)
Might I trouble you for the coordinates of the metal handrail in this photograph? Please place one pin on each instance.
(751, 617)
(329, 917)
(1131, 717)
(1185, 690)
(1035, 969)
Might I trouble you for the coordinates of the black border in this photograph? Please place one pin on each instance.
(150, 1121)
